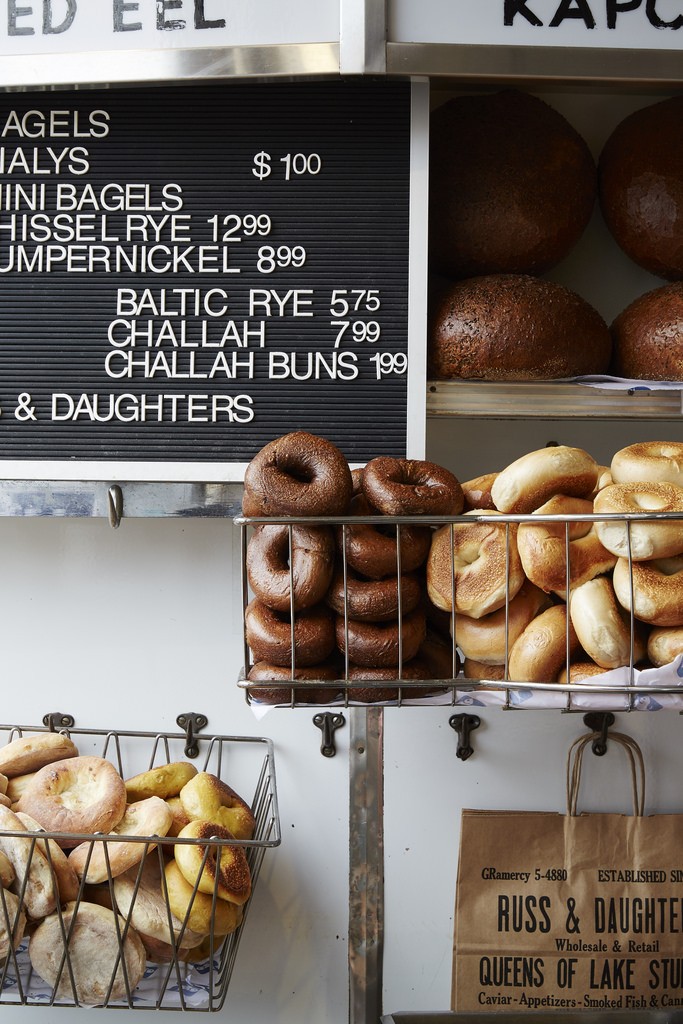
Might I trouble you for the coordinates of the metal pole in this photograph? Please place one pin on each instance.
(366, 864)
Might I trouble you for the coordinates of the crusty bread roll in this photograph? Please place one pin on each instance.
(514, 327)
(97, 860)
(29, 753)
(140, 898)
(33, 875)
(512, 185)
(165, 780)
(93, 951)
(82, 794)
(641, 187)
(10, 937)
(7, 874)
(224, 870)
(647, 336)
(208, 797)
(64, 875)
(198, 908)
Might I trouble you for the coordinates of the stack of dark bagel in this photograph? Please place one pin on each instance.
(499, 593)
(350, 596)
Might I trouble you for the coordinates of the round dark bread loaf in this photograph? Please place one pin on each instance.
(648, 336)
(515, 327)
(512, 185)
(640, 173)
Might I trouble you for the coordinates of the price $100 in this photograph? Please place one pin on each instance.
(295, 165)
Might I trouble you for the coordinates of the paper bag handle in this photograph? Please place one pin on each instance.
(636, 764)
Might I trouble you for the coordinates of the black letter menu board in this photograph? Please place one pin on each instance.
(187, 272)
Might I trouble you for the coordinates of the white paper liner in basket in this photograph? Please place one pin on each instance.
(519, 696)
(196, 992)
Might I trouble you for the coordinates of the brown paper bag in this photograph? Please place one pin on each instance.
(570, 912)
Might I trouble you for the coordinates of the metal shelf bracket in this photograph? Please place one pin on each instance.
(599, 722)
(191, 722)
(464, 725)
(328, 723)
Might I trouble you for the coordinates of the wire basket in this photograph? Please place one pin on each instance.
(625, 688)
(185, 969)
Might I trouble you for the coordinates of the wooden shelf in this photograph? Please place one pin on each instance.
(547, 400)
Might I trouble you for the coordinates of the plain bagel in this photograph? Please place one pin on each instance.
(528, 482)
(484, 639)
(543, 547)
(664, 644)
(140, 899)
(649, 462)
(644, 539)
(603, 629)
(476, 564)
(82, 794)
(541, 650)
(657, 590)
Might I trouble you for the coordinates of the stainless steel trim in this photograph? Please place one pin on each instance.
(591, 66)
(547, 399)
(97, 68)
(362, 36)
(139, 500)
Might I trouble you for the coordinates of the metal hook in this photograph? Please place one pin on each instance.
(115, 497)
(56, 720)
(599, 722)
(189, 722)
(328, 722)
(463, 725)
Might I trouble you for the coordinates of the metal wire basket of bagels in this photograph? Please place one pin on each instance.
(554, 581)
(127, 864)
